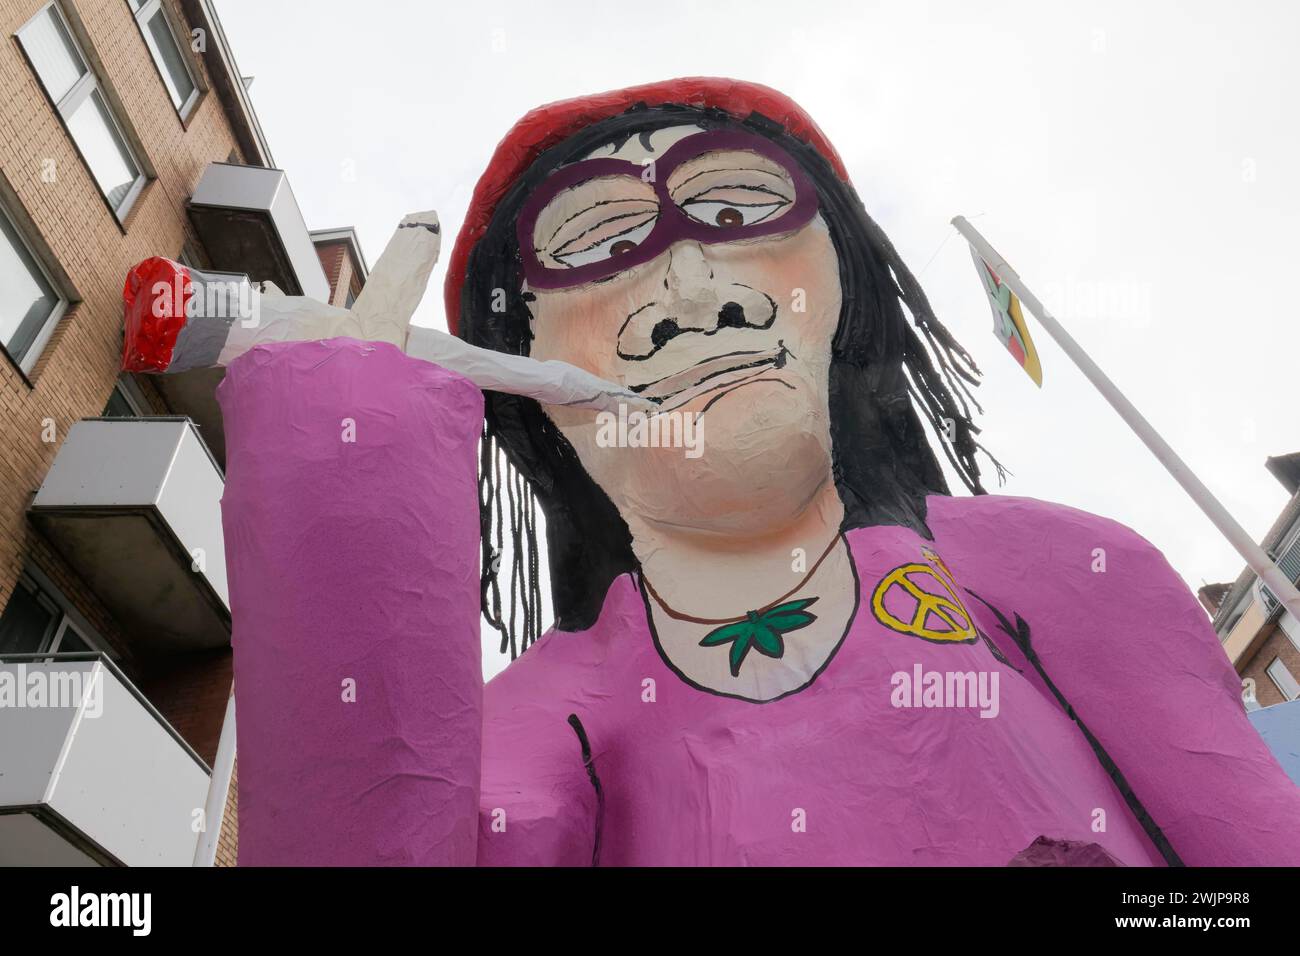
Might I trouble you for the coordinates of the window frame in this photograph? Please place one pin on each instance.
(47, 604)
(64, 618)
(142, 16)
(189, 257)
(27, 361)
(127, 387)
(67, 105)
(1288, 693)
(1276, 554)
(65, 625)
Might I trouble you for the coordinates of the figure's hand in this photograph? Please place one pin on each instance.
(178, 318)
(395, 286)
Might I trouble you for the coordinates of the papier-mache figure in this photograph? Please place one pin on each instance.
(778, 638)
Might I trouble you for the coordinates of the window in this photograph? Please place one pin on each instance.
(124, 401)
(35, 621)
(189, 258)
(168, 54)
(1280, 675)
(75, 91)
(1288, 559)
(29, 303)
(1236, 614)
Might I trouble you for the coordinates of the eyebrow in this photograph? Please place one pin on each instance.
(568, 242)
(586, 209)
(725, 169)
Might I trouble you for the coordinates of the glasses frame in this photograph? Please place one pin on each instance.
(673, 224)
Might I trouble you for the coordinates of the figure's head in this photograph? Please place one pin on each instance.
(693, 267)
(699, 243)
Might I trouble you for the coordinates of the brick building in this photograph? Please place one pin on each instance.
(1259, 637)
(126, 131)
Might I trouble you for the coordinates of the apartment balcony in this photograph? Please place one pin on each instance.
(194, 395)
(1249, 632)
(250, 222)
(134, 505)
(92, 773)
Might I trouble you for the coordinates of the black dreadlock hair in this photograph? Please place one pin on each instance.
(883, 370)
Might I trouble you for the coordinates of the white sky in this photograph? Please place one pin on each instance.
(1136, 163)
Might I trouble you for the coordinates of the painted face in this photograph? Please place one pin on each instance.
(697, 271)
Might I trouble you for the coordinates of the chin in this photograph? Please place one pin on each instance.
(760, 466)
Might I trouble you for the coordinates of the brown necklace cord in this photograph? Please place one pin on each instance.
(677, 615)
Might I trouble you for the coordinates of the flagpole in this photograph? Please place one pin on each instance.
(1254, 555)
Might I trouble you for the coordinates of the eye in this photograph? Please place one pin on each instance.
(730, 214)
(734, 205)
(607, 248)
(732, 189)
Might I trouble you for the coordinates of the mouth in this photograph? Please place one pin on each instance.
(711, 373)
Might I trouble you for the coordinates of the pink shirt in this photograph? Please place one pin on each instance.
(354, 592)
(696, 778)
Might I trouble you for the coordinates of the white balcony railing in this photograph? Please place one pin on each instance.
(250, 222)
(92, 773)
(134, 505)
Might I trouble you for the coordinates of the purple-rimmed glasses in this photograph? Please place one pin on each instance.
(767, 199)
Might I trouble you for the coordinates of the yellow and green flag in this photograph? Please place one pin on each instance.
(1009, 321)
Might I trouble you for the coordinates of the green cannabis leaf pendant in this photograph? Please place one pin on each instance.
(761, 631)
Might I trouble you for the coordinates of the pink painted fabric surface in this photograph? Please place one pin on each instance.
(353, 561)
(698, 779)
(363, 562)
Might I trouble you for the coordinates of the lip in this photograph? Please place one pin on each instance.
(710, 372)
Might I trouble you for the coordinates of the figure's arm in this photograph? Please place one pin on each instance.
(1127, 646)
(352, 539)
(352, 544)
(351, 524)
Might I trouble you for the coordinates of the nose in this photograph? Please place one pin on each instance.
(689, 276)
(695, 299)
(730, 316)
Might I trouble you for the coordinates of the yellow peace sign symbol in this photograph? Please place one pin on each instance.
(946, 607)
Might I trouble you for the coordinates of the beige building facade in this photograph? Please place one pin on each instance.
(1259, 637)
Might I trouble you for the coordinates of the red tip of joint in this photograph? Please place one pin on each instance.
(154, 299)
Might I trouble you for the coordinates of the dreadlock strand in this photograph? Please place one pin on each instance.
(940, 370)
(489, 503)
(498, 553)
(534, 565)
(510, 484)
(960, 462)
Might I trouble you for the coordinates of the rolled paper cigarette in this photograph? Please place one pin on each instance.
(154, 299)
(551, 382)
(178, 318)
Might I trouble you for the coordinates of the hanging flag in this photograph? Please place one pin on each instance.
(1009, 321)
(1274, 578)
